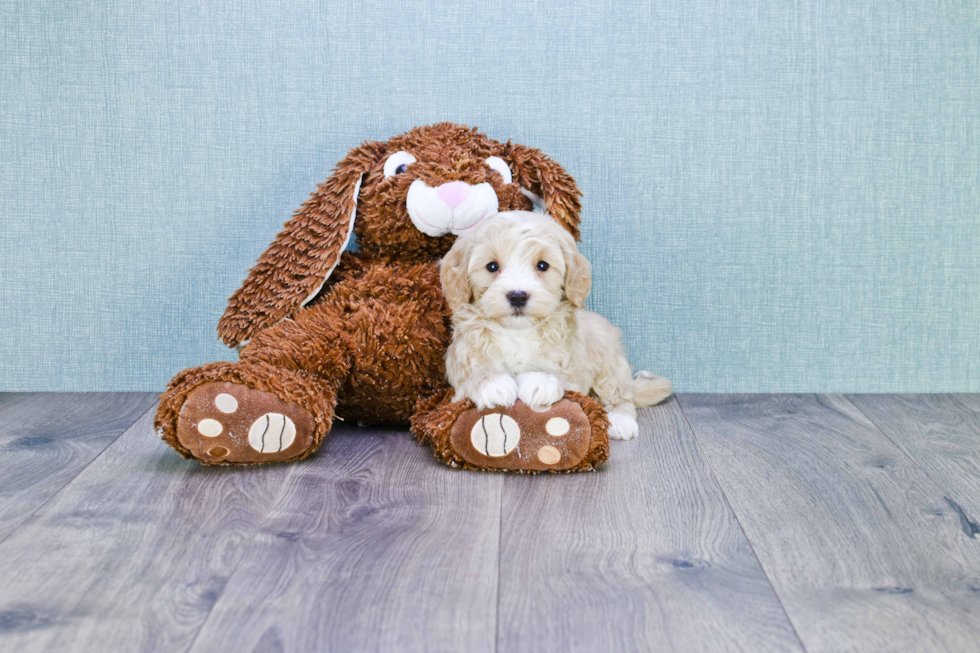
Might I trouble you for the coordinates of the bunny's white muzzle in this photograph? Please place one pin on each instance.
(449, 208)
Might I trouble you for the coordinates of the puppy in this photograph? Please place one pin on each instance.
(516, 285)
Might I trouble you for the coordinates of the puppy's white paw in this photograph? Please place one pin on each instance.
(622, 427)
(539, 389)
(500, 390)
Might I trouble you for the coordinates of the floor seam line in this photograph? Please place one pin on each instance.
(80, 472)
(245, 549)
(724, 496)
(905, 454)
(500, 544)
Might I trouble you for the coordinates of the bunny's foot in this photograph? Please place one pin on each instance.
(237, 414)
(569, 436)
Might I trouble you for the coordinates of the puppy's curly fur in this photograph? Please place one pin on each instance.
(517, 285)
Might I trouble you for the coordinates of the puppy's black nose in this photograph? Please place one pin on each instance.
(517, 298)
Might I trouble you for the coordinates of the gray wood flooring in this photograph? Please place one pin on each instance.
(734, 522)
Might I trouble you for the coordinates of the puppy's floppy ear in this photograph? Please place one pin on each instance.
(548, 180)
(452, 273)
(578, 272)
(300, 260)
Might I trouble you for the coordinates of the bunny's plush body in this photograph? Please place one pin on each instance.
(361, 336)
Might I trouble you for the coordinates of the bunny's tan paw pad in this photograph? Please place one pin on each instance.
(229, 423)
(522, 439)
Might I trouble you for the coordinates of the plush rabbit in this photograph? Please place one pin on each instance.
(362, 336)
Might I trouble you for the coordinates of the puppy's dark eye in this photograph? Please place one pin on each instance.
(542, 266)
(402, 168)
(492, 266)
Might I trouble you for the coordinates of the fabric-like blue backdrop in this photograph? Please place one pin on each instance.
(778, 196)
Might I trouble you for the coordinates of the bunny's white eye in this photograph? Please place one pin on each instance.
(398, 162)
(498, 164)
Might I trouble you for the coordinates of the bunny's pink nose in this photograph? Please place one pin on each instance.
(454, 193)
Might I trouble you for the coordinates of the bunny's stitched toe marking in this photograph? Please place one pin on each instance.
(226, 403)
(557, 426)
(549, 455)
(495, 435)
(210, 428)
(272, 433)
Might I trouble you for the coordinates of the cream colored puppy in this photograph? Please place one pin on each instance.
(516, 285)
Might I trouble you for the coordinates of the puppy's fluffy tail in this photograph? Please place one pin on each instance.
(650, 389)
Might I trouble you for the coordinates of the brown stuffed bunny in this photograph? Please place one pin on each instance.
(363, 335)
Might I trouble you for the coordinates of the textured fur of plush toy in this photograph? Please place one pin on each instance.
(361, 336)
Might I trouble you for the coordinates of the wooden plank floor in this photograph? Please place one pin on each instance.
(748, 522)
(859, 544)
(47, 439)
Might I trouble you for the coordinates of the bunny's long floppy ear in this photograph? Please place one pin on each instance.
(300, 260)
(544, 181)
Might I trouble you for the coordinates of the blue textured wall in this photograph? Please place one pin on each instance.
(780, 196)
